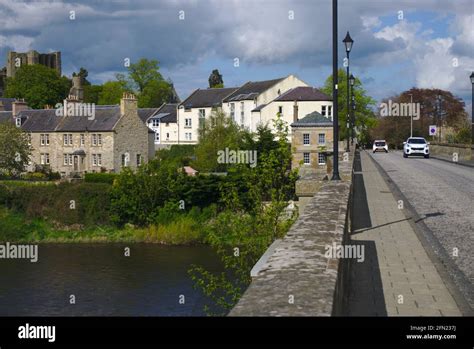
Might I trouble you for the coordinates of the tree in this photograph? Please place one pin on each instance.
(437, 107)
(38, 85)
(248, 228)
(112, 92)
(15, 150)
(143, 72)
(217, 133)
(92, 93)
(215, 79)
(363, 114)
(154, 94)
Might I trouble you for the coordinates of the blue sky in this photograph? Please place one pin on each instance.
(390, 54)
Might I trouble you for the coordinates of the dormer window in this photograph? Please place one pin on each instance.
(18, 122)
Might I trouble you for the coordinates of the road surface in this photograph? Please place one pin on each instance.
(442, 194)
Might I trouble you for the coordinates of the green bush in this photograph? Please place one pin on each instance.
(100, 178)
(86, 204)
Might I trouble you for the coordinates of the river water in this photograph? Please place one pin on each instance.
(150, 282)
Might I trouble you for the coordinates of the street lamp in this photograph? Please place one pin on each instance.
(335, 118)
(348, 42)
(352, 82)
(472, 108)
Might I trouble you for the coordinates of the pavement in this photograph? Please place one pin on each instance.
(469, 163)
(398, 276)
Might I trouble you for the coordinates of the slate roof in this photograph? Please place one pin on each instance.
(251, 89)
(146, 113)
(211, 97)
(167, 113)
(7, 103)
(303, 93)
(313, 119)
(6, 116)
(260, 107)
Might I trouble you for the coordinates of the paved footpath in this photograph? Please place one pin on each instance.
(397, 277)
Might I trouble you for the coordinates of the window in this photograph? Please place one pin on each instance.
(323, 110)
(155, 122)
(321, 138)
(321, 159)
(202, 117)
(280, 110)
(242, 118)
(67, 160)
(305, 138)
(167, 136)
(83, 140)
(96, 140)
(97, 159)
(306, 159)
(44, 158)
(187, 122)
(18, 122)
(67, 139)
(44, 139)
(167, 124)
(125, 159)
(157, 136)
(187, 136)
(232, 111)
(330, 111)
(139, 159)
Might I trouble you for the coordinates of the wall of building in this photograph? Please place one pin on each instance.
(314, 148)
(131, 135)
(56, 150)
(269, 112)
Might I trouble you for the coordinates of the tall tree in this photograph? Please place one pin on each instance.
(215, 79)
(111, 92)
(155, 94)
(38, 85)
(143, 72)
(364, 114)
(15, 150)
(437, 107)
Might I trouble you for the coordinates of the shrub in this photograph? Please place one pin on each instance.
(100, 178)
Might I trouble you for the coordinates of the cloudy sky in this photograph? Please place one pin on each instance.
(431, 46)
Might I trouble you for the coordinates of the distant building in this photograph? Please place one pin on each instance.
(17, 59)
(312, 140)
(195, 109)
(115, 138)
(244, 104)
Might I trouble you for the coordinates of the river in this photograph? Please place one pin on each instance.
(150, 282)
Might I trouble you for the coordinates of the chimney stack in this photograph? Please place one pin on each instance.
(17, 106)
(128, 103)
(295, 112)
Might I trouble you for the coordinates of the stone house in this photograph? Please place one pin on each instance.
(113, 138)
(312, 139)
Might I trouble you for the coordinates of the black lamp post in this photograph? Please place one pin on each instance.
(352, 82)
(335, 118)
(348, 43)
(472, 108)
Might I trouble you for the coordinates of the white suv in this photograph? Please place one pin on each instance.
(416, 146)
(380, 145)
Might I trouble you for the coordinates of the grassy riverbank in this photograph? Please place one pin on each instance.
(16, 227)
